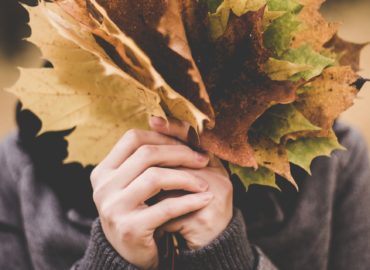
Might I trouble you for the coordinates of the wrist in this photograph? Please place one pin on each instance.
(230, 250)
(212, 232)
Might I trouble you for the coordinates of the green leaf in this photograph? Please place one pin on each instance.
(218, 21)
(249, 176)
(212, 4)
(279, 34)
(284, 5)
(281, 120)
(269, 16)
(282, 70)
(302, 151)
(305, 55)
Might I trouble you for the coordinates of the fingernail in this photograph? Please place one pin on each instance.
(202, 157)
(157, 121)
(207, 196)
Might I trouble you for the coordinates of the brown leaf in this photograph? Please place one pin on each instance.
(272, 156)
(327, 97)
(239, 89)
(316, 30)
(157, 27)
(348, 52)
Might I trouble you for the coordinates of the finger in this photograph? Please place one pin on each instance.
(174, 226)
(171, 208)
(129, 143)
(162, 156)
(174, 128)
(149, 156)
(155, 179)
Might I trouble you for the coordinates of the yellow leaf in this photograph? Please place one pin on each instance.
(218, 20)
(240, 7)
(281, 70)
(272, 156)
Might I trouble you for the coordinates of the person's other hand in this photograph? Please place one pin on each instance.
(137, 168)
(201, 227)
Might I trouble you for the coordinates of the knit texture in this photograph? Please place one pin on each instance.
(100, 254)
(231, 250)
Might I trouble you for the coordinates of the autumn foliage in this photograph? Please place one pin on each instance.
(260, 81)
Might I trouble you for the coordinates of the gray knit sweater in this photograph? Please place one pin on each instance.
(324, 226)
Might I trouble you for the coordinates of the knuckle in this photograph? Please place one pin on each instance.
(146, 151)
(152, 173)
(152, 177)
(106, 213)
(95, 175)
(168, 210)
(133, 136)
(126, 231)
(97, 197)
(205, 220)
(228, 188)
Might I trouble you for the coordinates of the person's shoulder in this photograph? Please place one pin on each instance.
(354, 165)
(355, 144)
(12, 160)
(348, 135)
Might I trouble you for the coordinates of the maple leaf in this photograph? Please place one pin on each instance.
(249, 176)
(239, 98)
(162, 31)
(315, 29)
(132, 60)
(305, 55)
(260, 75)
(272, 156)
(279, 34)
(282, 70)
(302, 151)
(281, 120)
(77, 100)
(72, 43)
(327, 96)
(348, 52)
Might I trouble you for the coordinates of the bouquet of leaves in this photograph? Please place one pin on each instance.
(259, 81)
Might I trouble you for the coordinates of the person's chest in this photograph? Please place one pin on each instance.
(293, 228)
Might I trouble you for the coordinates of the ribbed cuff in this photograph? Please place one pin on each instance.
(231, 250)
(100, 255)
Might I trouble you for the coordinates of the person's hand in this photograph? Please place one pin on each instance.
(201, 227)
(138, 167)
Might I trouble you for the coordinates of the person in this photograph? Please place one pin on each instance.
(48, 208)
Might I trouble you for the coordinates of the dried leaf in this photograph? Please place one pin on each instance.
(133, 61)
(281, 120)
(281, 70)
(272, 156)
(327, 97)
(315, 29)
(239, 89)
(141, 20)
(279, 34)
(302, 151)
(348, 52)
(249, 176)
(305, 55)
(218, 21)
(241, 7)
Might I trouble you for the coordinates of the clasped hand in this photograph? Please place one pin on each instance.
(142, 164)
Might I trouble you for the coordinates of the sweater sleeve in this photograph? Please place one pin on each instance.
(13, 251)
(350, 244)
(100, 255)
(231, 250)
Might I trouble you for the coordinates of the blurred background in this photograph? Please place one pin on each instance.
(354, 16)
